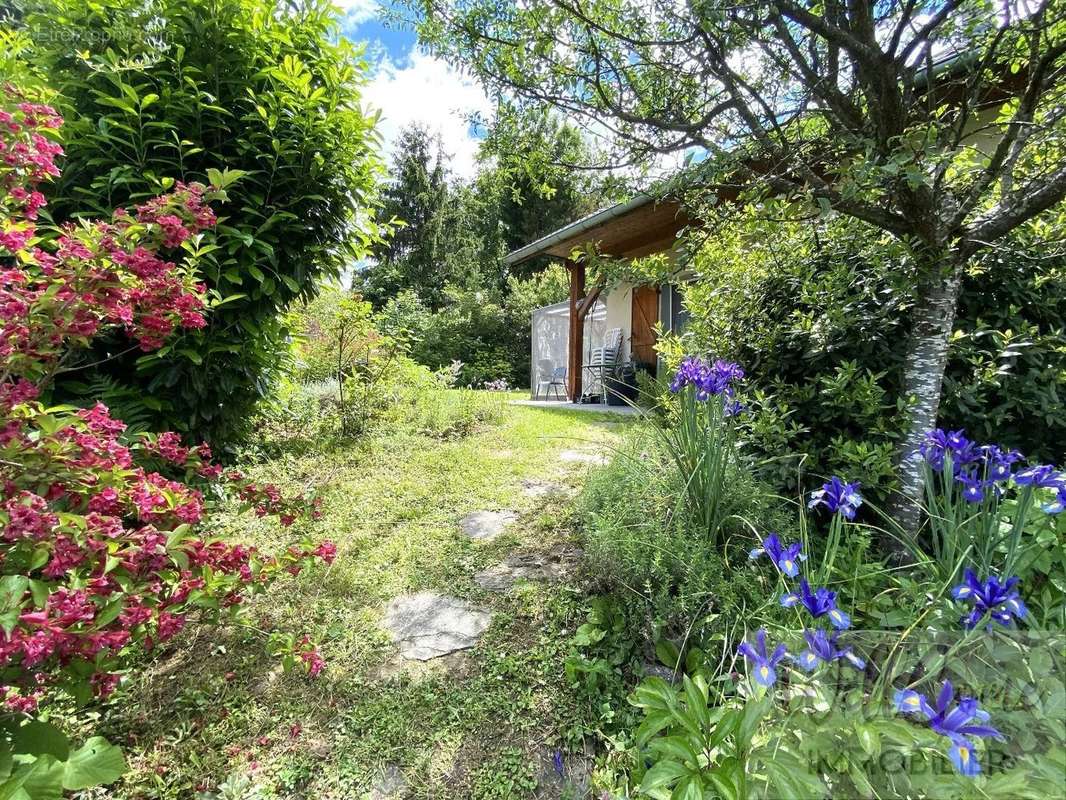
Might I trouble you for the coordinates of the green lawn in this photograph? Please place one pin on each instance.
(216, 709)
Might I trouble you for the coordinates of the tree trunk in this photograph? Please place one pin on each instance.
(923, 376)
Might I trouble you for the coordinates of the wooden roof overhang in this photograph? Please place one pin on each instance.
(640, 227)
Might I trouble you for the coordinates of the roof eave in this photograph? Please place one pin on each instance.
(575, 228)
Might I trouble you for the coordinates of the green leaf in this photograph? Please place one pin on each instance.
(690, 788)
(723, 785)
(40, 780)
(663, 775)
(95, 763)
(725, 727)
(654, 693)
(41, 738)
(8, 620)
(667, 653)
(109, 614)
(754, 711)
(868, 740)
(40, 591)
(678, 748)
(654, 721)
(40, 558)
(12, 588)
(696, 702)
(231, 176)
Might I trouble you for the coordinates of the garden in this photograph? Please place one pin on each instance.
(274, 524)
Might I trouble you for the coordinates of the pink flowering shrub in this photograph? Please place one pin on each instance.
(105, 546)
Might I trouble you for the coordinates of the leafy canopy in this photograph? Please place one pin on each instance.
(935, 121)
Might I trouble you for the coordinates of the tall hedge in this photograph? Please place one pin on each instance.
(169, 90)
(812, 314)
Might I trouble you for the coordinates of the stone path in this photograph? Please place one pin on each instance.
(583, 457)
(556, 564)
(390, 784)
(432, 630)
(427, 625)
(535, 488)
(561, 776)
(484, 526)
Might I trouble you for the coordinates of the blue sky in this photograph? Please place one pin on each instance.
(408, 86)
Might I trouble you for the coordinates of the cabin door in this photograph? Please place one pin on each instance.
(645, 315)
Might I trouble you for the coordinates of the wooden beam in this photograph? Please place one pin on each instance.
(576, 341)
(585, 306)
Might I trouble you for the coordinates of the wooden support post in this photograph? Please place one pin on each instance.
(580, 306)
(576, 343)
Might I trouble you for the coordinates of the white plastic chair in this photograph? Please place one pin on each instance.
(603, 362)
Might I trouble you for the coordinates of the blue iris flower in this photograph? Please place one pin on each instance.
(822, 648)
(734, 408)
(1057, 505)
(954, 722)
(786, 558)
(1043, 476)
(940, 446)
(997, 462)
(992, 598)
(838, 496)
(708, 379)
(557, 762)
(1046, 477)
(762, 664)
(976, 467)
(973, 488)
(819, 603)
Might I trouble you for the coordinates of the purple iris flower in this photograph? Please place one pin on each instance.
(973, 488)
(999, 600)
(734, 408)
(1044, 476)
(820, 603)
(989, 466)
(763, 664)
(689, 372)
(822, 648)
(954, 722)
(838, 496)
(997, 462)
(557, 762)
(940, 445)
(708, 380)
(786, 558)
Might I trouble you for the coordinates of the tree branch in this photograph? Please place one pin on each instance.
(1033, 198)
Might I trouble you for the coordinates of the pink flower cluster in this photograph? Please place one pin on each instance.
(267, 499)
(106, 274)
(103, 544)
(310, 657)
(124, 536)
(27, 153)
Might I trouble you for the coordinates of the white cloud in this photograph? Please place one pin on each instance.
(427, 91)
(358, 11)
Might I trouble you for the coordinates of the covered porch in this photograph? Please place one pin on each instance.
(573, 340)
